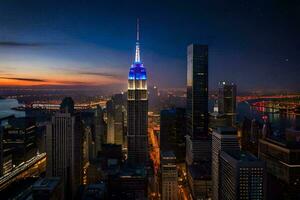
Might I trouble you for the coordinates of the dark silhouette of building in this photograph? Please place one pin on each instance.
(173, 131)
(198, 141)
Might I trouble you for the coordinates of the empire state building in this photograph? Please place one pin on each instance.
(137, 119)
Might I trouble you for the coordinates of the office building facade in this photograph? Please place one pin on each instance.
(242, 176)
(222, 139)
(65, 147)
(282, 157)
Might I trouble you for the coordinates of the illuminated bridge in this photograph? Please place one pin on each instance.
(33, 167)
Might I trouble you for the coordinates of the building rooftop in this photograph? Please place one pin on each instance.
(46, 183)
(129, 171)
(242, 155)
(283, 142)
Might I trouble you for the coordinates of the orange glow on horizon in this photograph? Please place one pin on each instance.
(60, 79)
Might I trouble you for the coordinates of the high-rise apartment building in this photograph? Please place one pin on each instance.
(137, 110)
(198, 141)
(65, 147)
(242, 176)
(223, 139)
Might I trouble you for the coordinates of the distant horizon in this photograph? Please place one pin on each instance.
(114, 89)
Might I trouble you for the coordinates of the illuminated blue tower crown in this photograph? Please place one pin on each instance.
(137, 70)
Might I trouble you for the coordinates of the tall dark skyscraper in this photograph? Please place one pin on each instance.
(198, 140)
(137, 106)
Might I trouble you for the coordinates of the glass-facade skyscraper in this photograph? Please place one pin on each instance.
(197, 91)
(137, 117)
(198, 140)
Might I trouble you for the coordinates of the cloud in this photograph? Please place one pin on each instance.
(23, 79)
(44, 81)
(25, 44)
(98, 74)
(71, 82)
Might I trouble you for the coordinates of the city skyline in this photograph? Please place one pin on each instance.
(211, 108)
(80, 45)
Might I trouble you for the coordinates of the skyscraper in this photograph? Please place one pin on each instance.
(223, 139)
(227, 101)
(65, 147)
(198, 141)
(137, 110)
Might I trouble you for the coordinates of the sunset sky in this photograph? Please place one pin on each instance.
(253, 43)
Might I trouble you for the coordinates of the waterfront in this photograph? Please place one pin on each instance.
(279, 120)
(244, 109)
(6, 106)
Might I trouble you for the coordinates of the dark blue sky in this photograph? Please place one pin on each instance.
(253, 43)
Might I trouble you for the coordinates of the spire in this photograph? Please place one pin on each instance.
(137, 45)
